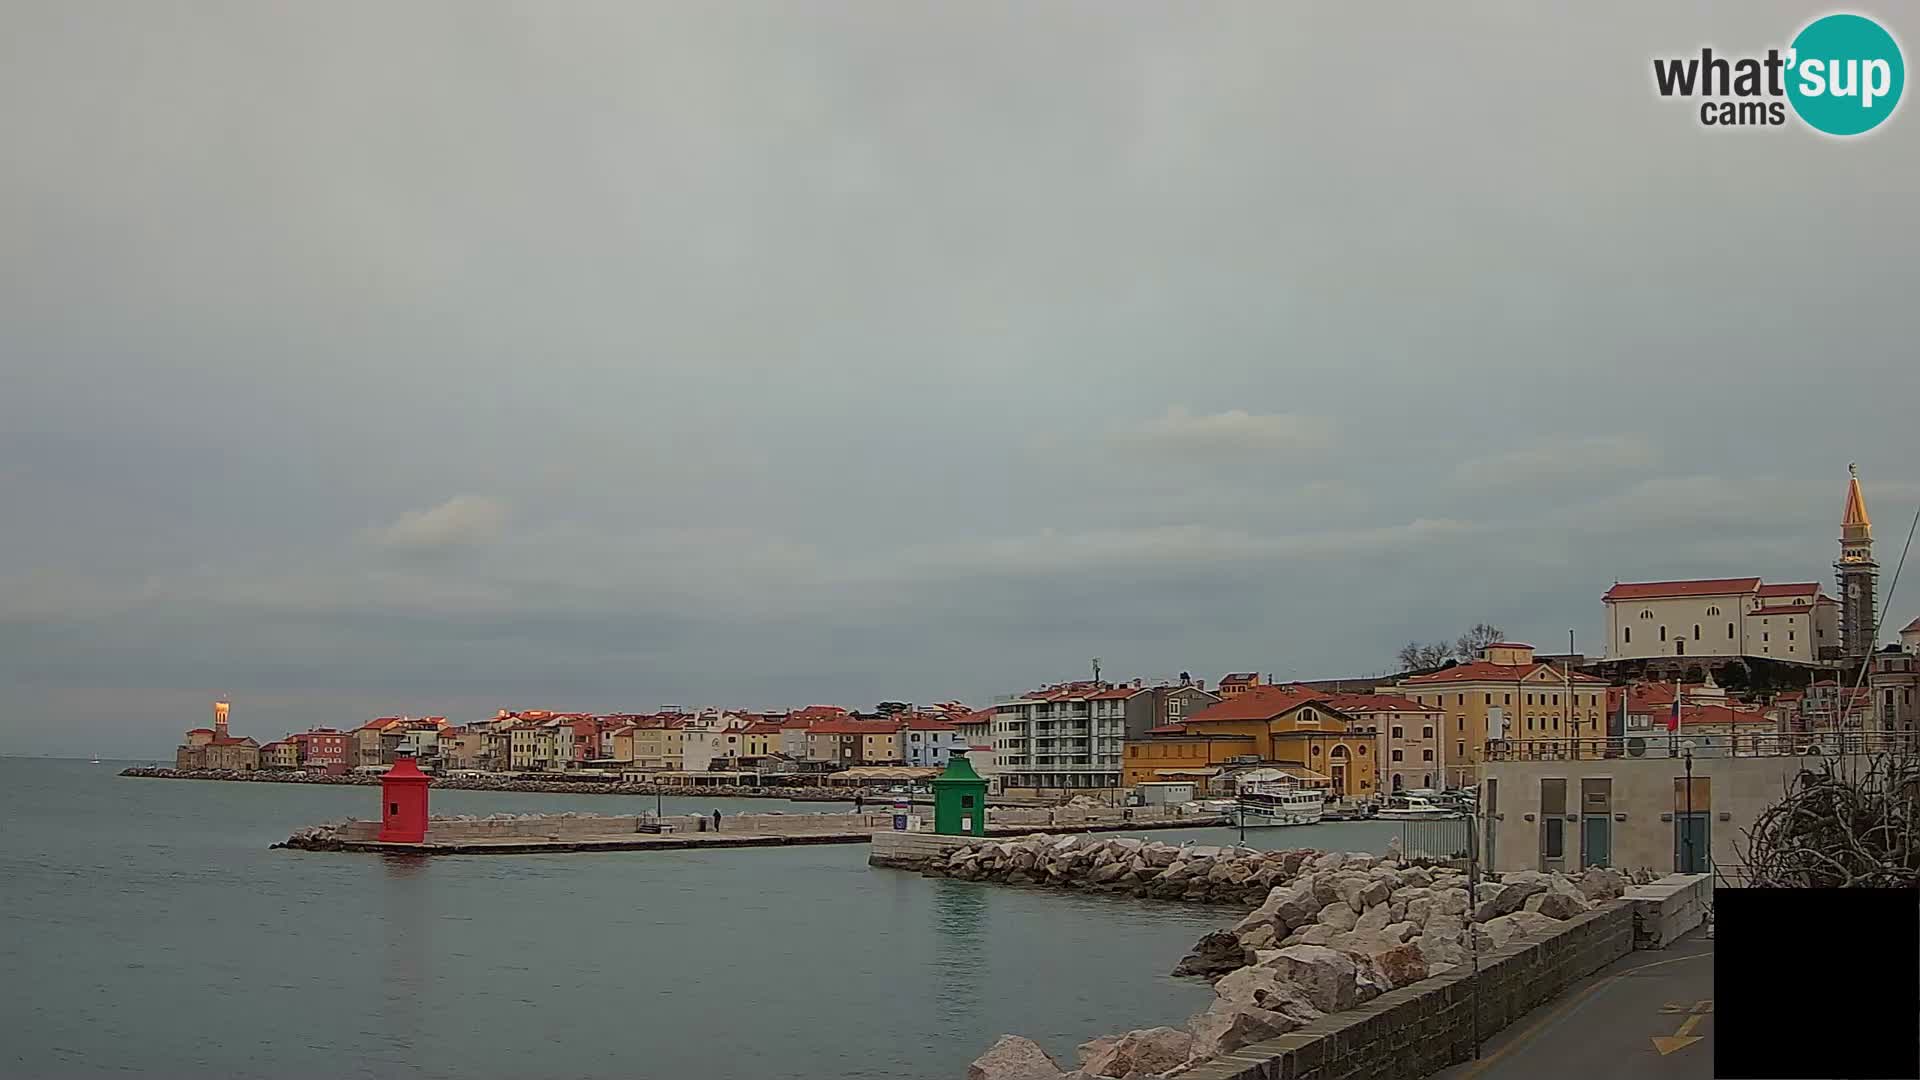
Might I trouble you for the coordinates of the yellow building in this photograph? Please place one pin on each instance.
(760, 739)
(661, 748)
(620, 744)
(523, 746)
(1506, 694)
(881, 748)
(1281, 727)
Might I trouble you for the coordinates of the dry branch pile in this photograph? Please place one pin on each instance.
(1841, 828)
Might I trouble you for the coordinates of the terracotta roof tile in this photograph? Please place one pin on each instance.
(1720, 714)
(1359, 703)
(854, 727)
(1654, 590)
(1487, 671)
(1259, 703)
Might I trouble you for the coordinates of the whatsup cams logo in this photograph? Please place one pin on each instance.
(1842, 75)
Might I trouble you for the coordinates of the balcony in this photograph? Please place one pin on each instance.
(1659, 744)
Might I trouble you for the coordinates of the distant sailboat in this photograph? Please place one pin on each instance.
(96, 761)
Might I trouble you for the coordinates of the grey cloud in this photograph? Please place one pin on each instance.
(1164, 549)
(1578, 461)
(1225, 434)
(462, 521)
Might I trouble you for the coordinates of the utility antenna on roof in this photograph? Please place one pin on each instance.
(1096, 669)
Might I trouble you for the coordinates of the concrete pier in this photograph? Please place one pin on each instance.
(576, 833)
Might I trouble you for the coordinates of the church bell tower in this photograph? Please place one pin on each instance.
(1857, 574)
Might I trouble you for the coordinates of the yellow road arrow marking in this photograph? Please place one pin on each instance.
(1679, 1040)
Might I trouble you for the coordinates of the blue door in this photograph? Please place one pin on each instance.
(1691, 843)
(1596, 840)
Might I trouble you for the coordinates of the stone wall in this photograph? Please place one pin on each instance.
(1419, 1029)
(1665, 909)
(1644, 803)
(913, 851)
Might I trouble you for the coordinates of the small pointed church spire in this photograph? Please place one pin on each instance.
(1858, 574)
(1855, 515)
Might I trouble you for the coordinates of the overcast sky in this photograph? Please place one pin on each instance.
(363, 358)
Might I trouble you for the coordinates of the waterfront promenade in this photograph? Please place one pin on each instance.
(1646, 1015)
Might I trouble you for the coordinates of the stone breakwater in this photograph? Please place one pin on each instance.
(1332, 931)
(1195, 874)
(504, 783)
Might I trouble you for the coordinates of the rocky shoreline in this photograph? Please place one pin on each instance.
(1332, 931)
(500, 783)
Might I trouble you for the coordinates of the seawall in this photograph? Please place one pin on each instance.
(1429, 1025)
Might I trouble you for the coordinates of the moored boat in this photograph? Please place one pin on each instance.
(1266, 803)
(1413, 808)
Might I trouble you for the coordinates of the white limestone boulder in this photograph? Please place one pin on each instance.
(1326, 976)
(1014, 1058)
(1145, 1052)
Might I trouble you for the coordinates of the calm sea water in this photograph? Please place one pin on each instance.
(145, 928)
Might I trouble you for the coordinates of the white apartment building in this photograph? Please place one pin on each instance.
(1061, 739)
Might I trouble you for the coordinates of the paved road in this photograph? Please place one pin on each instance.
(1605, 1026)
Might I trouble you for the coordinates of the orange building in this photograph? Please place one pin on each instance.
(1285, 727)
(1233, 684)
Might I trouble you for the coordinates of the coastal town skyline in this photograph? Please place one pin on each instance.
(302, 718)
(1796, 632)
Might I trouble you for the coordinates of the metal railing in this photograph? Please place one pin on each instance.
(1661, 744)
(1439, 840)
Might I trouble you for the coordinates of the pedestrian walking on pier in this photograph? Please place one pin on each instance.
(858, 802)
(716, 821)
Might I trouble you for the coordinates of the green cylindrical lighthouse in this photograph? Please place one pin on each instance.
(959, 799)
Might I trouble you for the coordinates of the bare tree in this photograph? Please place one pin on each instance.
(1414, 656)
(1469, 644)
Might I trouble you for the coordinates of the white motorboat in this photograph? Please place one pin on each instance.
(1413, 808)
(1266, 803)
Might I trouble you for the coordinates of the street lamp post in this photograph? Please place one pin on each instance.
(1686, 827)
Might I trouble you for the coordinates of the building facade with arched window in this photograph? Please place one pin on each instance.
(1721, 617)
(1290, 728)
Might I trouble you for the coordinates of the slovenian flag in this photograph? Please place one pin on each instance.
(1673, 721)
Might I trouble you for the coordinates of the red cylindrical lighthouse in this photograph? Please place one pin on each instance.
(403, 797)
